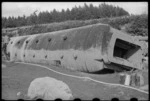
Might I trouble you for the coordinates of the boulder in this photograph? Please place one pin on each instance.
(48, 88)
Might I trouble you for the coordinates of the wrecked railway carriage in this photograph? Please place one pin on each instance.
(89, 49)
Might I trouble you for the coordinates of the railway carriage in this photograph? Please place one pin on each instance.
(89, 49)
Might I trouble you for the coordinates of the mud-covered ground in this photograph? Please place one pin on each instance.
(16, 77)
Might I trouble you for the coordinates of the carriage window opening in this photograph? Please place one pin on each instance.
(65, 38)
(37, 41)
(49, 40)
(123, 49)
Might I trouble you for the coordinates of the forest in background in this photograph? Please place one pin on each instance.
(76, 13)
(76, 17)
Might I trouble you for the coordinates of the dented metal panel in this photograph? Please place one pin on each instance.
(86, 48)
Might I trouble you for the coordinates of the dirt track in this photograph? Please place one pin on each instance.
(16, 77)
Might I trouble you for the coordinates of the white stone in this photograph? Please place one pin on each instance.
(49, 89)
(19, 93)
(145, 87)
(3, 66)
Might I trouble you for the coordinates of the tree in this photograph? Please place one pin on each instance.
(44, 17)
(32, 19)
(4, 21)
(68, 14)
(55, 16)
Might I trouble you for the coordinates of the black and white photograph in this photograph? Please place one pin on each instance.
(74, 51)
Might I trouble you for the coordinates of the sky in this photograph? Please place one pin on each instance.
(26, 8)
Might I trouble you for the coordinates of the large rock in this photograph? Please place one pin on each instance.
(49, 88)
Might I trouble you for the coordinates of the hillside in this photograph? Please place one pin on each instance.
(134, 25)
(104, 87)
